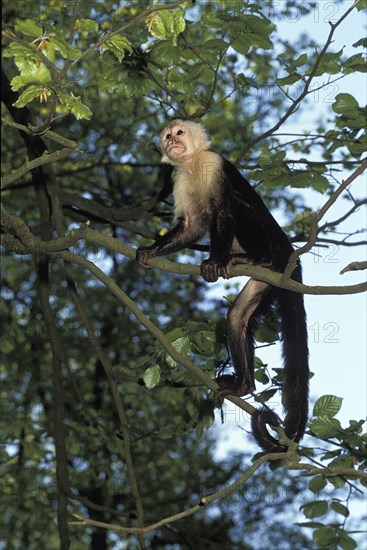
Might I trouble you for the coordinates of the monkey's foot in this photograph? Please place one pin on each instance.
(143, 255)
(240, 259)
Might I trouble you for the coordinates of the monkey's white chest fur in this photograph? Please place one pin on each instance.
(195, 185)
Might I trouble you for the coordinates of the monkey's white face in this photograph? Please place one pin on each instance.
(177, 141)
(181, 140)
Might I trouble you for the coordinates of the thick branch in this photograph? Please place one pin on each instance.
(46, 158)
(54, 248)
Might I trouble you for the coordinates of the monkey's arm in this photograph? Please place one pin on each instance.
(180, 236)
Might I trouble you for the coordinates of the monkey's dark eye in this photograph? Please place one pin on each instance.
(168, 136)
(179, 132)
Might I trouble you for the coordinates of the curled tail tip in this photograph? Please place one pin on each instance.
(267, 442)
(259, 420)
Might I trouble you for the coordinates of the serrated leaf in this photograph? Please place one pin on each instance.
(80, 111)
(152, 376)
(327, 405)
(324, 426)
(118, 45)
(29, 28)
(166, 24)
(75, 106)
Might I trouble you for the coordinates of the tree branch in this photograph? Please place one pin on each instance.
(56, 246)
(316, 217)
(223, 493)
(306, 89)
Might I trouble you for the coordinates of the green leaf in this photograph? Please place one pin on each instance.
(327, 405)
(301, 60)
(152, 376)
(264, 396)
(317, 484)
(260, 375)
(288, 80)
(241, 44)
(356, 63)
(86, 25)
(324, 426)
(118, 45)
(347, 543)
(312, 524)
(361, 42)
(30, 93)
(362, 5)
(80, 111)
(75, 106)
(315, 509)
(337, 481)
(325, 537)
(340, 509)
(29, 28)
(66, 50)
(167, 24)
(164, 54)
(203, 342)
(345, 104)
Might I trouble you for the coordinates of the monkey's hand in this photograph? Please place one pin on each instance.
(143, 255)
(211, 269)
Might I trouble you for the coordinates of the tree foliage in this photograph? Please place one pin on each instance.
(107, 369)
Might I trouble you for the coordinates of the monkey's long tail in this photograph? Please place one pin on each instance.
(296, 373)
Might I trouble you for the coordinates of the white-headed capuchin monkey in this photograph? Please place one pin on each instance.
(210, 195)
